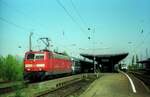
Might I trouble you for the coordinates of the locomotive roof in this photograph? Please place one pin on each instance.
(38, 51)
(61, 56)
(55, 54)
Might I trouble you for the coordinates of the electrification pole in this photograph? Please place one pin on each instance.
(94, 59)
(30, 41)
(94, 64)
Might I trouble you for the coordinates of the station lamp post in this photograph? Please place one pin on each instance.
(94, 63)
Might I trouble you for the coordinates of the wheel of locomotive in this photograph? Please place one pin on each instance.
(26, 76)
(42, 76)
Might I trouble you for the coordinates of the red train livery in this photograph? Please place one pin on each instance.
(40, 64)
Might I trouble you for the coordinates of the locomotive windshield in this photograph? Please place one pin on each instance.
(39, 56)
(32, 56)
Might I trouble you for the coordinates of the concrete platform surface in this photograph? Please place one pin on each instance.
(115, 85)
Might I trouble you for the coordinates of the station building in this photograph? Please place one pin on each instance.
(104, 62)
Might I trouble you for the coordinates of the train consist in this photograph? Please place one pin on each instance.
(45, 63)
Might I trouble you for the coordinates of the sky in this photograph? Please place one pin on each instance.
(76, 26)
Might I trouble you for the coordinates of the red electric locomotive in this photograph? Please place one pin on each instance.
(40, 64)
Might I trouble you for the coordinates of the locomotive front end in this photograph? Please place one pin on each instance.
(34, 65)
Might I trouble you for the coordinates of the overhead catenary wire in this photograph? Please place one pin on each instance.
(12, 8)
(81, 18)
(69, 14)
(19, 11)
(14, 24)
(71, 17)
(17, 26)
(79, 15)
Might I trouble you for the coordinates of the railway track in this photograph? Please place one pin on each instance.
(8, 86)
(74, 88)
(3, 82)
(52, 86)
(142, 77)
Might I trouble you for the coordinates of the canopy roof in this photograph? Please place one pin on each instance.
(106, 58)
(145, 61)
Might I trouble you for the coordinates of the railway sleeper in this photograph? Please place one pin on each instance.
(57, 86)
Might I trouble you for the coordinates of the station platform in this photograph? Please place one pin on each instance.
(116, 85)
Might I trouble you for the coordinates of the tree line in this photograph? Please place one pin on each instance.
(11, 69)
(134, 65)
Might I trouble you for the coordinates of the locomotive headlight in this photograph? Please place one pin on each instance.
(40, 65)
(28, 65)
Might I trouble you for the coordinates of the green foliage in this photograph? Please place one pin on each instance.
(18, 94)
(133, 67)
(1, 66)
(137, 59)
(134, 63)
(10, 68)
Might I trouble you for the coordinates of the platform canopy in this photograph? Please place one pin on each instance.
(106, 60)
(145, 61)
